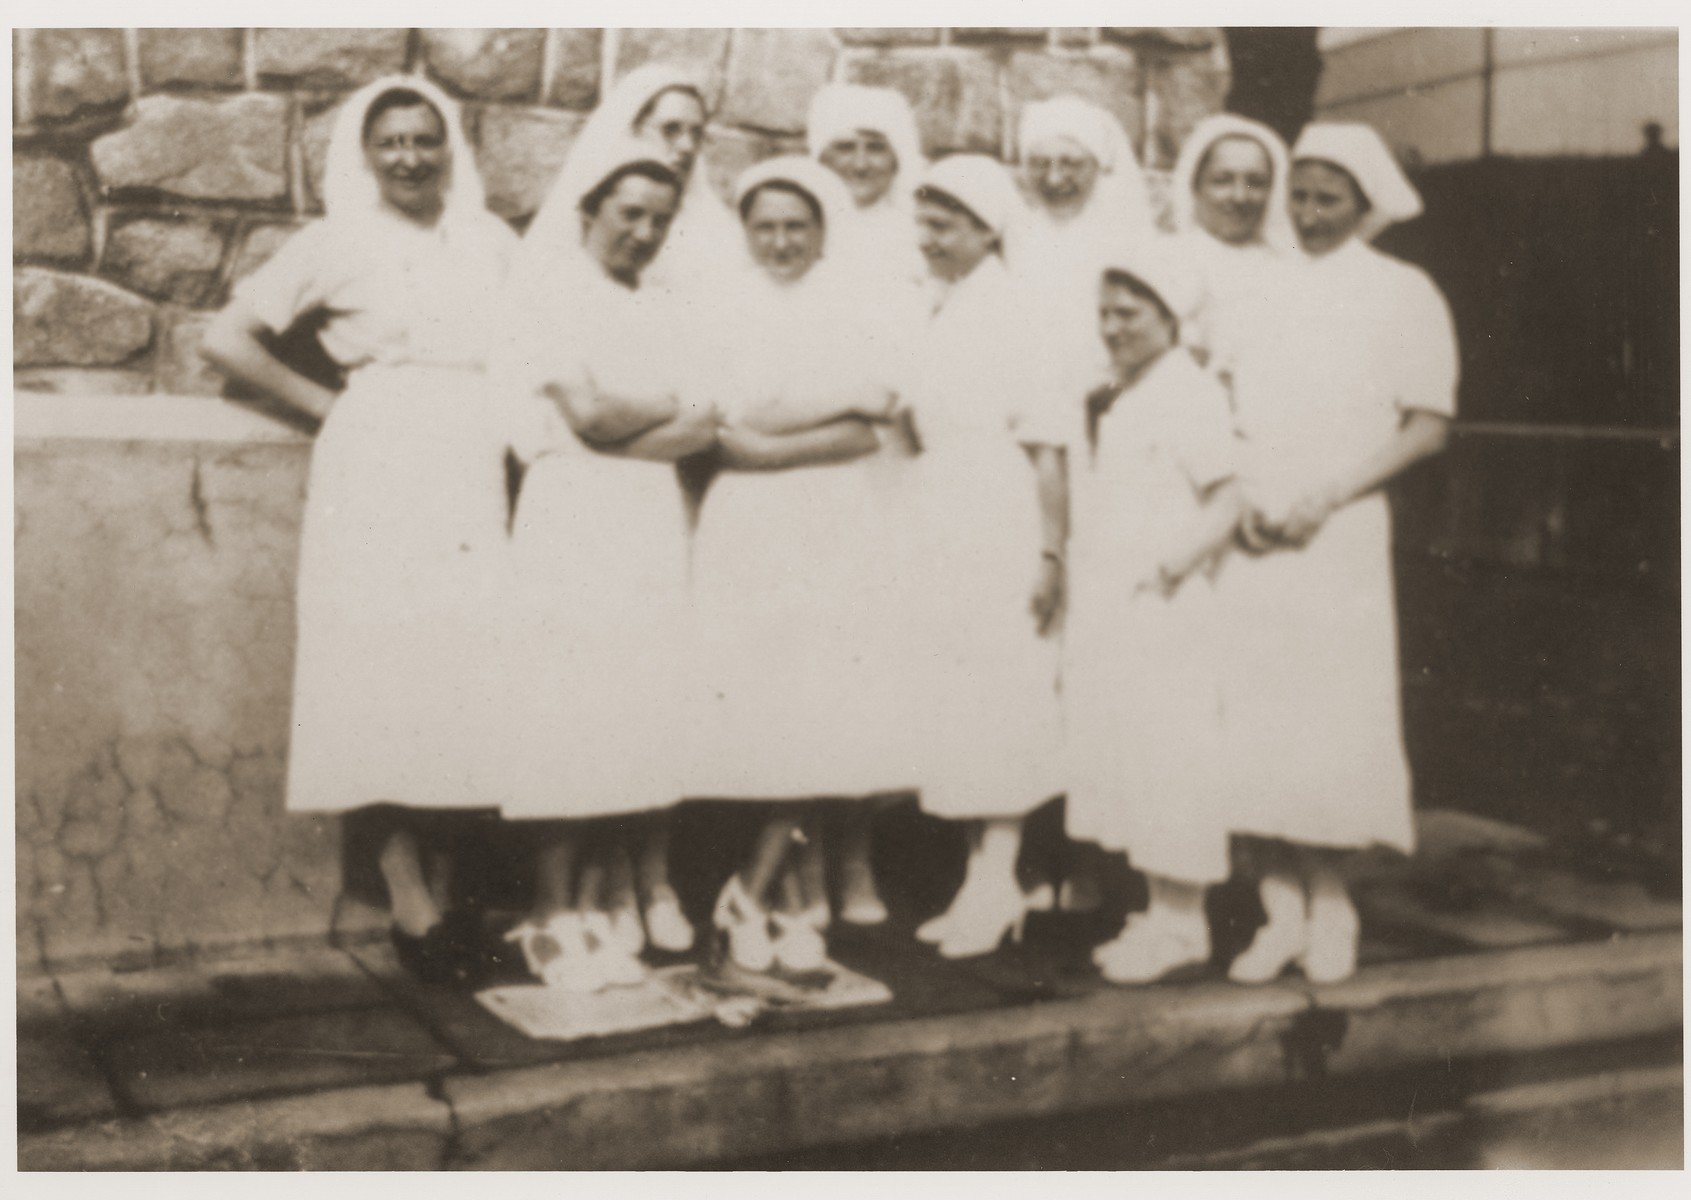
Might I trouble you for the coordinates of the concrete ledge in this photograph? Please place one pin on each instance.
(363, 1129)
(767, 1093)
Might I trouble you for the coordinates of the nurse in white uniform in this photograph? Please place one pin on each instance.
(596, 612)
(800, 660)
(404, 517)
(1347, 377)
(990, 527)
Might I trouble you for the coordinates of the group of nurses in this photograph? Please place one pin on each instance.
(995, 495)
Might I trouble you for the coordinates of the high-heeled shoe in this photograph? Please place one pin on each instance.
(618, 965)
(667, 926)
(1151, 945)
(1329, 954)
(556, 951)
(798, 944)
(1280, 942)
(747, 926)
(985, 922)
(935, 930)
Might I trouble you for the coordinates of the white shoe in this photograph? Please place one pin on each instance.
(1153, 944)
(1283, 940)
(557, 952)
(988, 918)
(746, 925)
(1334, 930)
(627, 933)
(617, 966)
(798, 945)
(666, 926)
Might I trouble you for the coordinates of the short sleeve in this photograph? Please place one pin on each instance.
(292, 282)
(1425, 363)
(1200, 427)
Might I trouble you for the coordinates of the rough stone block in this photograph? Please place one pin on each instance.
(81, 381)
(730, 151)
(72, 320)
(912, 36)
(1187, 88)
(257, 248)
(1200, 37)
(703, 50)
(954, 93)
(773, 73)
(487, 64)
(1000, 33)
(576, 57)
(191, 58)
(75, 70)
(1108, 77)
(49, 218)
(234, 148)
(166, 258)
(180, 370)
(329, 58)
(520, 151)
(1075, 37)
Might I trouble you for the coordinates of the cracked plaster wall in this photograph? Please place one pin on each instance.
(154, 654)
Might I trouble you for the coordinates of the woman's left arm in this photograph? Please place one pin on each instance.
(1421, 434)
(838, 441)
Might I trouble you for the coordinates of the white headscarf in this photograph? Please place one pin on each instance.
(351, 191)
(1160, 266)
(1276, 229)
(982, 185)
(1363, 154)
(1120, 198)
(700, 236)
(840, 110)
(810, 177)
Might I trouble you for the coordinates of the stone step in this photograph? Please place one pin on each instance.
(423, 1094)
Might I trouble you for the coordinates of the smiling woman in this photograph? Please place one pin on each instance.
(404, 512)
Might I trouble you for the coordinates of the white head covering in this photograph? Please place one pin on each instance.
(806, 174)
(1363, 154)
(839, 110)
(1120, 195)
(982, 185)
(552, 249)
(352, 193)
(1276, 228)
(1160, 266)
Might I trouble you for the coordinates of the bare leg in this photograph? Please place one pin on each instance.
(666, 924)
(555, 881)
(860, 899)
(414, 909)
(1334, 927)
(773, 842)
(811, 873)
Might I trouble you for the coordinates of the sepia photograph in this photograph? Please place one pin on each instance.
(762, 598)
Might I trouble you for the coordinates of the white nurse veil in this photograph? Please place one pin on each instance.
(351, 192)
(810, 177)
(1276, 230)
(1362, 153)
(1120, 199)
(839, 110)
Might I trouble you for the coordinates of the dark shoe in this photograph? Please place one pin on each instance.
(449, 953)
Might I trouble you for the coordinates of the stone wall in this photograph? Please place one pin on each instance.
(153, 168)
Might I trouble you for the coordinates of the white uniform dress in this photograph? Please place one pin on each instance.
(802, 645)
(987, 682)
(596, 604)
(1329, 366)
(1142, 677)
(405, 512)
